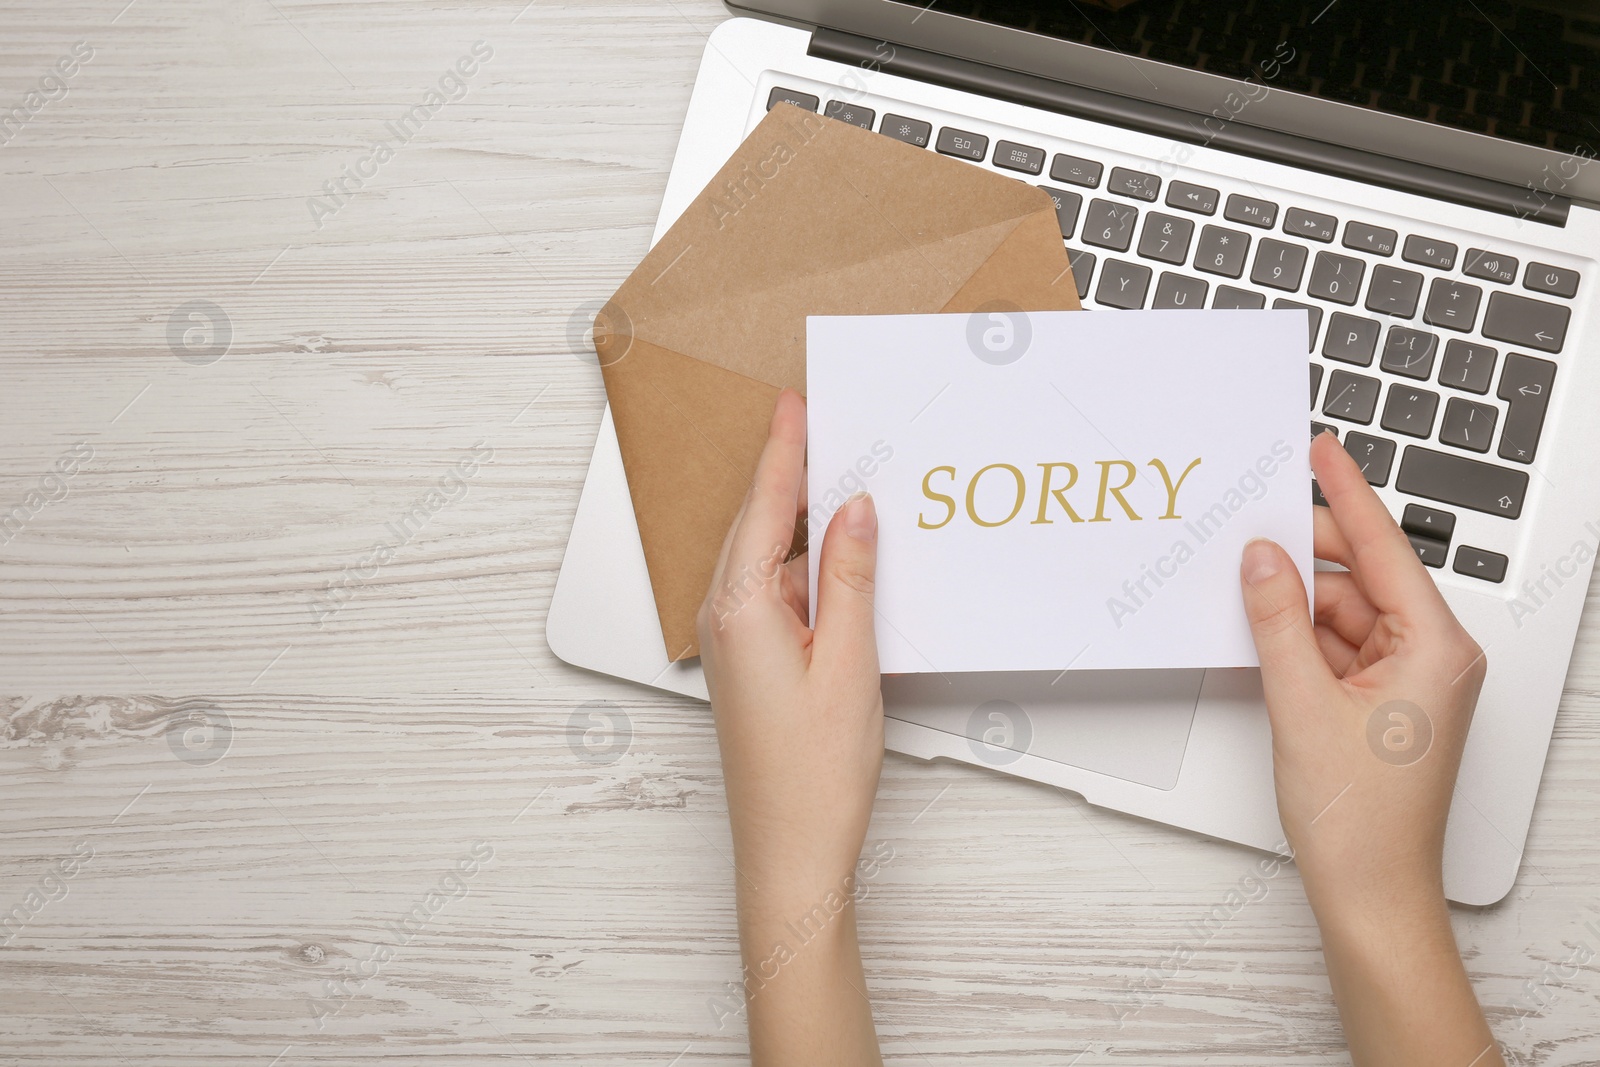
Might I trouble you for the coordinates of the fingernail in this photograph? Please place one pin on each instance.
(1261, 559)
(861, 518)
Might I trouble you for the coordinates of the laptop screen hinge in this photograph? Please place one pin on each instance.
(1189, 127)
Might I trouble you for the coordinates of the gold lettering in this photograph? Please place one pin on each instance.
(972, 491)
(928, 492)
(1045, 493)
(1172, 490)
(1105, 466)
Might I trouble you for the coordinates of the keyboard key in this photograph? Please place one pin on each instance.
(854, 114)
(1410, 410)
(1222, 251)
(1337, 278)
(1279, 264)
(1178, 291)
(1194, 198)
(1110, 225)
(1480, 563)
(781, 95)
(1525, 387)
(1374, 455)
(1394, 291)
(911, 131)
(1368, 238)
(1082, 264)
(1462, 482)
(959, 143)
(1076, 171)
(1135, 183)
(1428, 522)
(1250, 211)
(1557, 281)
(1351, 339)
(1229, 297)
(1409, 353)
(1166, 237)
(1426, 252)
(1067, 204)
(1521, 320)
(1123, 284)
(1467, 366)
(1453, 305)
(1310, 224)
(1316, 382)
(1313, 319)
(1468, 424)
(1013, 156)
(1432, 553)
(1353, 397)
(1320, 428)
(1490, 266)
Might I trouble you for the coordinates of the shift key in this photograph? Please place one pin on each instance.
(1466, 483)
(1525, 387)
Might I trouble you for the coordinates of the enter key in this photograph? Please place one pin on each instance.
(1525, 387)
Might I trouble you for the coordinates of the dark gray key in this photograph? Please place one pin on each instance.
(1525, 387)
(960, 143)
(1462, 482)
(1320, 428)
(1110, 225)
(854, 114)
(1279, 264)
(1222, 251)
(1075, 170)
(1020, 157)
(1337, 278)
(1193, 198)
(1067, 204)
(1313, 319)
(1177, 291)
(1453, 305)
(1316, 382)
(1310, 224)
(781, 95)
(1251, 211)
(1229, 297)
(1557, 281)
(1166, 237)
(1427, 252)
(1367, 238)
(1353, 397)
(911, 131)
(1432, 553)
(1490, 266)
(1468, 424)
(1480, 563)
(1374, 455)
(1351, 339)
(1520, 320)
(1409, 353)
(1123, 284)
(1394, 291)
(1138, 184)
(1428, 522)
(1082, 264)
(1410, 410)
(1467, 366)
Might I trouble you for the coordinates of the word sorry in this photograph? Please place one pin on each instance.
(1049, 492)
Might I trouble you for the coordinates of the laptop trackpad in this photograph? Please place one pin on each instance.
(1132, 725)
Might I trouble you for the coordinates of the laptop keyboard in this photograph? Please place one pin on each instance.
(1412, 338)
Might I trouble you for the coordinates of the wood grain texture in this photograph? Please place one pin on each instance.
(251, 909)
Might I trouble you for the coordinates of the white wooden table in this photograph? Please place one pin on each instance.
(239, 889)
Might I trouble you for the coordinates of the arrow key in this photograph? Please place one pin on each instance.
(1525, 387)
(1480, 563)
(1428, 522)
(1529, 323)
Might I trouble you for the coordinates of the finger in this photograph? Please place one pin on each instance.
(1327, 542)
(1293, 668)
(795, 582)
(1336, 650)
(1343, 607)
(845, 576)
(769, 512)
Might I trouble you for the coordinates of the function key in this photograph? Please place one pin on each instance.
(1135, 183)
(911, 131)
(1521, 320)
(1312, 224)
(1076, 171)
(1020, 157)
(964, 145)
(1426, 252)
(1490, 266)
(854, 114)
(1250, 211)
(780, 95)
(1194, 198)
(1480, 563)
(1543, 278)
(1366, 238)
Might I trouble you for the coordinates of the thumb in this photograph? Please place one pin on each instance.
(1292, 664)
(845, 575)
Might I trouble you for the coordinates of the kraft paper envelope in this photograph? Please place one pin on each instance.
(1064, 491)
(810, 216)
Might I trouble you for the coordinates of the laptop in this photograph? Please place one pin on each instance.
(1416, 176)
